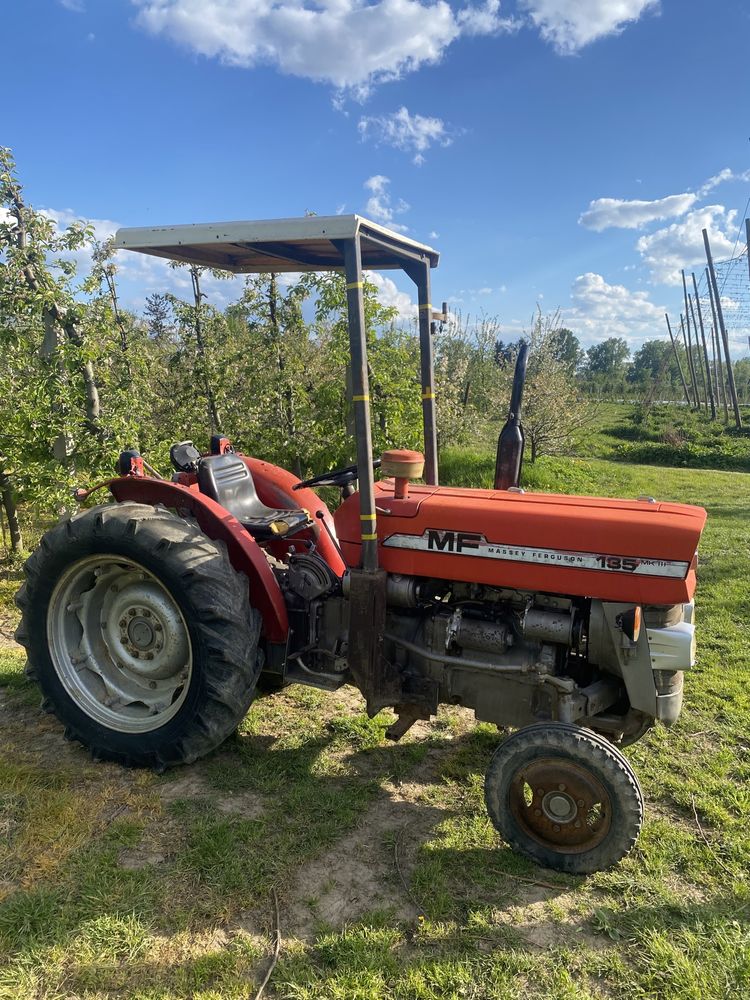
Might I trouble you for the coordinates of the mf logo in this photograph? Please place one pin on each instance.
(452, 541)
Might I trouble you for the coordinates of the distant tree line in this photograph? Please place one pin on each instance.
(608, 370)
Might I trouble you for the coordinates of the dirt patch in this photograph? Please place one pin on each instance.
(136, 859)
(359, 874)
(194, 782)
(531, 917)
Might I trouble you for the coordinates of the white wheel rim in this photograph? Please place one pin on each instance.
(119, 643)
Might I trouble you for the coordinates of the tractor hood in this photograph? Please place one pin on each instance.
(614, 550)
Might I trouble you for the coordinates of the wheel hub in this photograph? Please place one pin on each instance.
(561, 804)
(119, 643)
(559, 807)
(140, 633)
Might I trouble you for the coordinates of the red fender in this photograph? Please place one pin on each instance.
(244, 552)
(274, 486)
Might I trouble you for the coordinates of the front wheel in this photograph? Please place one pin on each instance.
(564, 797)
(139, 633)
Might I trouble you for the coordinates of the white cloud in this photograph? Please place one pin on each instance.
(723, 175)
(354, 44)
(349, 43)
(390, 295)
(405, 131)
(601, 310)
(569, 25)
(485, 20)
(680, 245)
(6, 219)
(379, 207)
(604, 213)
(76, 6)
(64, 217)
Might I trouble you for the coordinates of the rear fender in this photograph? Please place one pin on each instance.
(244, 552)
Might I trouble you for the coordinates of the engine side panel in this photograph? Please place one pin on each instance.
(616, 550)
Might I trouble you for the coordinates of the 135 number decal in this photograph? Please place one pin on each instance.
(618, 563)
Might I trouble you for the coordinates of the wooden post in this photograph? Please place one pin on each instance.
(722, 327)
(704, 380)
(691, 369)
(698, 399)
(715, 329)
(677, 359)
(705, 348)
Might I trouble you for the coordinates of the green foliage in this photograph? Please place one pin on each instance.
(606, 365)
(666, 435)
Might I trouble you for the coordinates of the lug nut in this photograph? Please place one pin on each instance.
(561, 788)
(149, 656)
(577, 823)
(580, 803)
(152, 684)
(123, 622)
(157, 626)
(114, 588)
(556, 828)
(146, 613)
(537, 812)
(131, 612)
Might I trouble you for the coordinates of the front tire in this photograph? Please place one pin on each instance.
(564, 797)
(139, 634)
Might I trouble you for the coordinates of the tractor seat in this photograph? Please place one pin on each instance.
(228, 481)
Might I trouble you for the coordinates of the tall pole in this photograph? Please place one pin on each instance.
(698, 352)
(691, 368)
(715, 330)
(698, 399)
(677, 359)
(419, 272)
(717, 384)
(361, 402)
(722, 327)
(747, 236)
(705, 348)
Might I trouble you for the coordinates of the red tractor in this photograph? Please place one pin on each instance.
(150, 621)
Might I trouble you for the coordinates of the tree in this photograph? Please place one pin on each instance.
(741, 369)
(566, 348)
(655, 369)
(553, 407)
(606, 365)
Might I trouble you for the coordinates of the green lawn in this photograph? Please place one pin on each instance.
(390, 880)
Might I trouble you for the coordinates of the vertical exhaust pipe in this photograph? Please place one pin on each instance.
(511, 440)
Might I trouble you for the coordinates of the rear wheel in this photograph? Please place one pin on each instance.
(140, 635)
(564, 797)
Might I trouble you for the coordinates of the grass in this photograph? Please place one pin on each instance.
(127, 884)
(665, 435)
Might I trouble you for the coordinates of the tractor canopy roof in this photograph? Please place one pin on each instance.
(312, 243)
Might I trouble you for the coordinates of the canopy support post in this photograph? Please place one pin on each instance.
(419, 272)
(361, 403)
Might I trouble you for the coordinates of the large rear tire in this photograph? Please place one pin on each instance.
(140, 634)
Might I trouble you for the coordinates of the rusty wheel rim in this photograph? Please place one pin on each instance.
(561, 805)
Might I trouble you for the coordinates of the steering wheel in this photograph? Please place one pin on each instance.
(336, 477)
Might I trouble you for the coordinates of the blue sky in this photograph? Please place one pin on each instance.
(561, 151)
